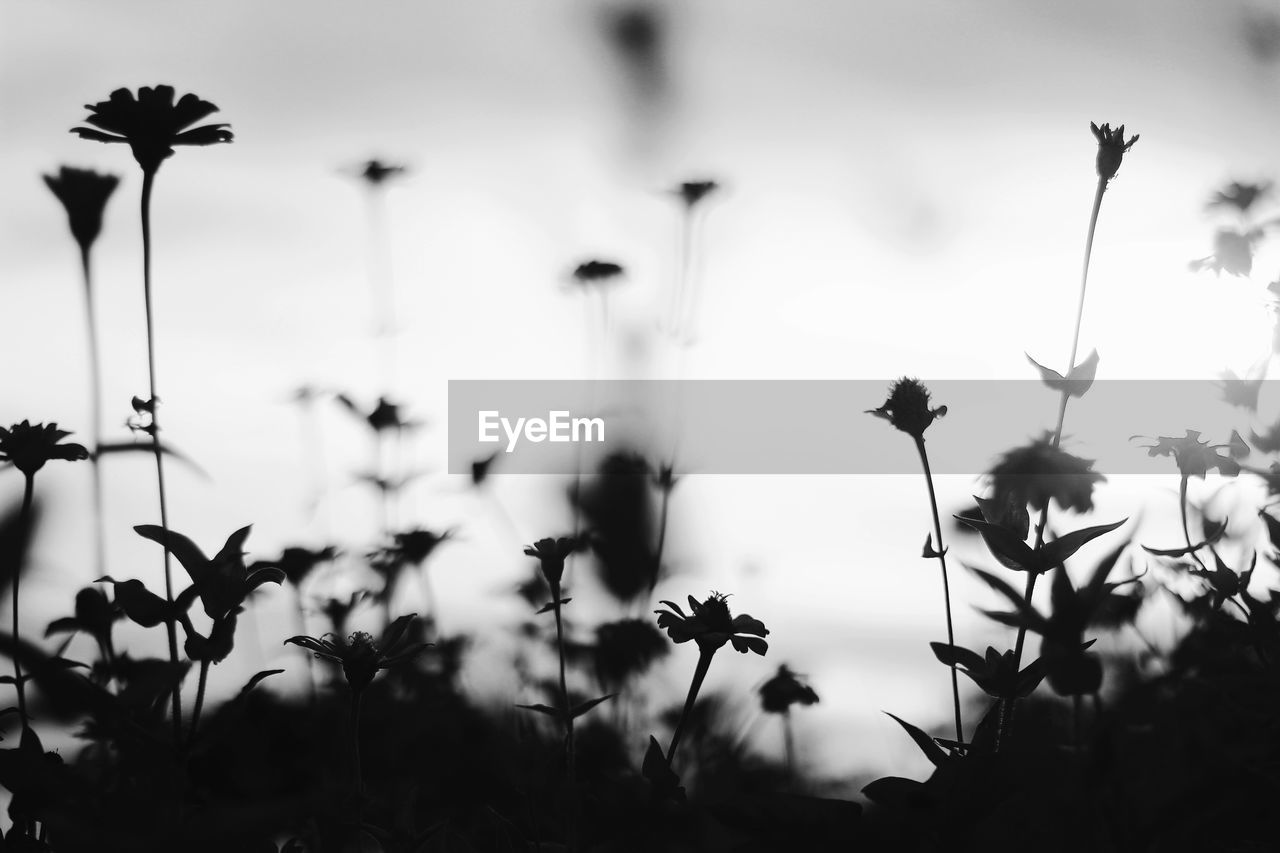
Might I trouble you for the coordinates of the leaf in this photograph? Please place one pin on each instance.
(1075, 383)
(550, 606)
(257, 678)
(111, 448)
(929, 552)
(897, 792)
(543, 709)
(950, 655)
(140, 604)
(183, 549)
(65, 625)
(1012, 552)
(659, 773)
(586, 706)
(936, 754)
(1056, 552)
(1024, 610)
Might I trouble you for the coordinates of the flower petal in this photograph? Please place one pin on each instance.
(96, 135)
(745, 644)
(210, 134)
(744, 624)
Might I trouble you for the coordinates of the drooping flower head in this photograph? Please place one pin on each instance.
(1240, 196)
(152, 123)
(1196, 458)
(1039, 472)
(376, 173)
(596, 272)
(711, 625)
(551, 554)
(84, 194)
(785, 689)
(1111, 149)
(27, 447)
(692, 192)
(908, 408)
(361, 656)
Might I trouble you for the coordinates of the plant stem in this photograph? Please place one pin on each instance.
(699, 673)
(28, 492)
(357, 698)
(95, 404)
(788, 742)
(148, 180)
(1182, 509)
(663, 510)
(571, 824)
(195, 712)
(946, 584)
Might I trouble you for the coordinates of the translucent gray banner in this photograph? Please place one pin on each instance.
(810, 427)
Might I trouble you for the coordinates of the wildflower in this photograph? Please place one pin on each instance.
(711, 626)
(908, 408)
(1040, 472)
(338, 610)
(785, 689)
(297, 563)
(384, 416)
(1196, 458)
(152, 124)
(414, 546)
(626, 648)
(222, 583)
(84, 194)
(27, 447)
(693, 192)
(1240, 196)
(597, 272)
(551, 554)
(1232, 253)
(1111, 149)
(376, 172)
(361, 656)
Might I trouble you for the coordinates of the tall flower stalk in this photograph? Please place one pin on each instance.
(152, 124)
(28, 447)
(1111, 150)
(377, 175)
(84, 194)
(907, 409)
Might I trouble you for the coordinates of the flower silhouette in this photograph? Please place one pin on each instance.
(711, 625)
(785, 689)
(1196, 458)
(27, 447)
(361, 656)
(908, 408)
(1111, 149)
(596, 272)
(1240, 196)
(551, 553)
(1040, 472)
(692, 192)
(152, 124)
(376, 173)
(222, 583)
(84, 194)
(1232, 253)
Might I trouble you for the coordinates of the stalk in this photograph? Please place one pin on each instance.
(357, 698)
(148, 180)
(95, 402)
(946, 584)
(699, 674)
(571, 823)
(28, 493)
(195, 712)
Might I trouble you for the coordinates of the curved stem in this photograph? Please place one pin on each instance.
(95, 409)
(946, 584)
(148, 180)
(1182, 510)
(195, 712)
(699, 673)
(28, 493)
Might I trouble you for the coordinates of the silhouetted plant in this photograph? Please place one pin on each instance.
(152, 124)
(777, 696)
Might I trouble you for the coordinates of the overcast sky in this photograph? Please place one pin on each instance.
(906, 189)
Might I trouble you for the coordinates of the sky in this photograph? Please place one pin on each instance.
(905, 190)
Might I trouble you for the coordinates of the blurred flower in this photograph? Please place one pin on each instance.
(376, 173)
(1196, 458)
(297, 563)
(480, 469)
(84, 194)
(1240, 196)
(908, 408)
(410, 548)
(664, 478)
(152, 123)
(360, 655)
(626, 648)
(711, 625)
(597, 272)
(28, 447)
(551, 553)
(338, 610)
(385, 415)
(1232, 253)
(1111, 149)
(785, 689)
(693, 192)
(1040, 472)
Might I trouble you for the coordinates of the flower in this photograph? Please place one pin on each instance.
(625, 648)
(152, 123)
(785, 689)
(28, 447)
(1111, 149)
(1195, 458)
(84, 194)
(297, 563)
(1040, 472)
(361, 656)
(376, 173)
(693, 192)
(552, 553)
(1232, 253)
(711, 625)
(908, 408)
(596, 272)
(410, 548)
(1240, 196)
(384, 416)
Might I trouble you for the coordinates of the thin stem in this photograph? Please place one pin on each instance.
(148, 180)
(357, 698)
(788, 742)
(95, 403)
(699, 673)
(1186, 531)
(195, 712)
(946, 584)
(28, 492)
(1077, 709)
(663, 510)
(571, 826)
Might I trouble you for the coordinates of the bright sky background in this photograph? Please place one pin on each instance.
(906, 191)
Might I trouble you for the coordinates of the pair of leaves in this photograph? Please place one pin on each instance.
(665, 781)
(1213, 531)
(1014, 553)
(221, 583)
(1077, 381)
(573, 713)
(995, 673)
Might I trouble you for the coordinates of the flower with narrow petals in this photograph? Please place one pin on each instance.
(785, 689)
(1111, 149)
(361, 656)
(1240, 196)
(551, 554)
(596, 272)
(27, 447)
(711, 625)
(693, 192)
(152, 123)
(84, 194)
(908, 408)
(1196, 458)
(1039, 472)
(376, 173)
